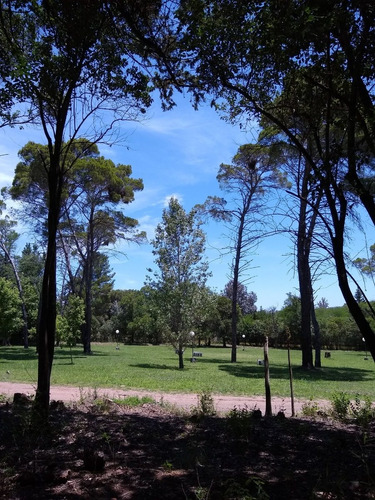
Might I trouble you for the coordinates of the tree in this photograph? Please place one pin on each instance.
(367, 265)
(10, 310)
(324, 46)
(69, 323)
(246, 300)
(249, 181)
(179, 246)
(291, 317)
(308, 194)
(323, 303)
(7, 239)
(80, 70)
(91, 219)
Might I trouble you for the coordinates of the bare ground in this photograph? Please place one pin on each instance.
(223, 404)
(98, 449)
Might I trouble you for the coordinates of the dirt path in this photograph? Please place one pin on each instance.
(223, 404)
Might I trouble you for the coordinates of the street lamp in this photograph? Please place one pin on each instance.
(192, 344)
(364, 340)
(243, 336)
(117, 347)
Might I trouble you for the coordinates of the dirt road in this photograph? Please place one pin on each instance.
(223, 404)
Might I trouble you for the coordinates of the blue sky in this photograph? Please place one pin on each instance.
(178, 153)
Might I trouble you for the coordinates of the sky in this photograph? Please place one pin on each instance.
(178, 153)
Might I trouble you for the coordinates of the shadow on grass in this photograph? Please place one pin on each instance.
(278, 372)
(155, 366)
(216, 361)
(22, 354)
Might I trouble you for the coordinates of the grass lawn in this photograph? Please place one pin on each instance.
(156, 368)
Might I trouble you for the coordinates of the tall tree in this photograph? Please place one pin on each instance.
(78, 67)
(8, 237)
(246, 300)
(93, 219)
(10, 310)
(179, 246)
(249, 182)
(246, 55)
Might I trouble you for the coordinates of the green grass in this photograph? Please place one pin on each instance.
(155, 368)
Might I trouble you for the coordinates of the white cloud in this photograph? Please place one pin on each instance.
(169, 197)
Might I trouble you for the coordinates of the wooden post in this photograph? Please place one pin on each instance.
(267, 380)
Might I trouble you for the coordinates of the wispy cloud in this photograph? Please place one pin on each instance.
(169, 197)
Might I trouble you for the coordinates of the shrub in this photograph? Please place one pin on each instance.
(341, 405)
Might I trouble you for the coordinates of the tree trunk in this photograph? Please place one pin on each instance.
(304, 238)
(47, 325)
(353, 306)
(180, 358)
(236, 272)
(88, 278)
(47, 318)
(317, 338)
(267, 380)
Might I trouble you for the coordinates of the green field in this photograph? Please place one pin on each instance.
(155, 368)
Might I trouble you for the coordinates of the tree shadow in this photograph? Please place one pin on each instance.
(217, 361)
(155, 366)
(17, 354)
(30, 354)
(315, 375)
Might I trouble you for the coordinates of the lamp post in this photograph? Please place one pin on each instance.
(243, 336)
(364, 340)
(117, 347)
(192, 344)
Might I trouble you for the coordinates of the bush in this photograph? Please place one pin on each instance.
(341, 405)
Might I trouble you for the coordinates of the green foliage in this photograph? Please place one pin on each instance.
(361, 411)
(253, 489)
(310, 409)
(179, 246)
(240, 421)
(10, 310)
(205, 406)
(68, 325)
(341, 405)
(134, 401)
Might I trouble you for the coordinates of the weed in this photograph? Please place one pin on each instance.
(200, 492)
(134, 401)
(103, 404)
(362, 411)
(252, 490)
(341, 405)
(205, 406)
(310, 409)
(167, 466)
(240, 421)
(110, 443)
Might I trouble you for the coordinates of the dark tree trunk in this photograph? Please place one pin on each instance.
(337, 239)
(304, 276)
(267, 380)
(47, 317)
(180, 358)
(353, 306)
(236, 272)
(88, 277)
